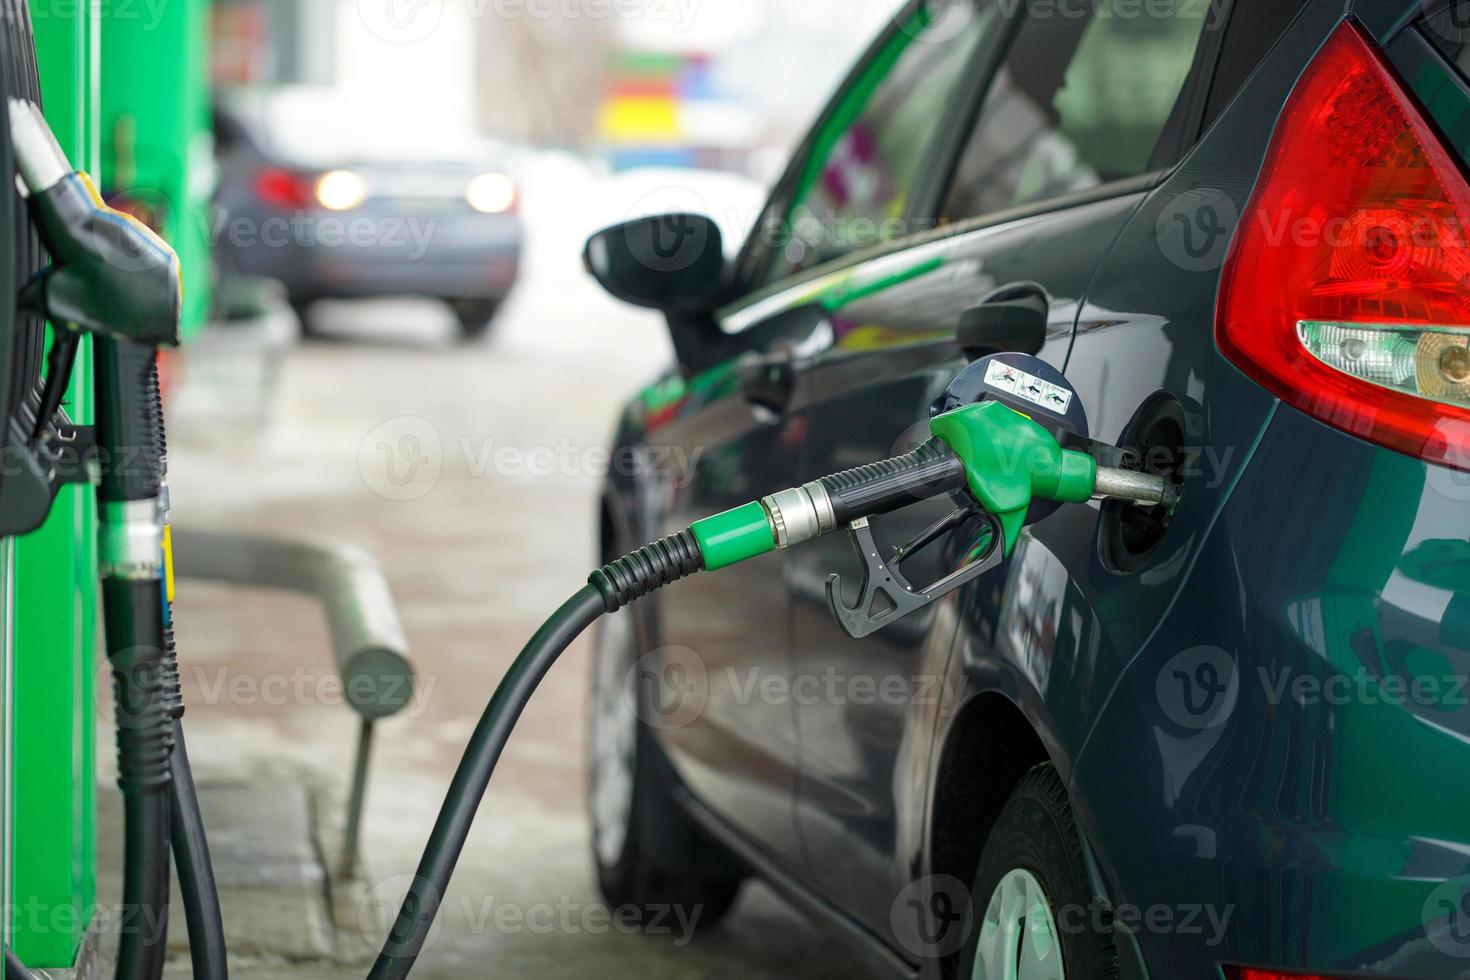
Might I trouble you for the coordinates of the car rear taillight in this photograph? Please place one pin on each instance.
(1347, 287)
(1257, 973)
(282, 188)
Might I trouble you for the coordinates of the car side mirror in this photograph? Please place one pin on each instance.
(674, 263)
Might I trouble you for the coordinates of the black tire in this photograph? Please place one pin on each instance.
(1036, 835)
(660, 860)
(302, 305)
(475, 316)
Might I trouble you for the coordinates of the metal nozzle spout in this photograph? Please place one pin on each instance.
(1142, 488)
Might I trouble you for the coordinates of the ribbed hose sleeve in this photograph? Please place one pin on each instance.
(649, 568)
(128, 420)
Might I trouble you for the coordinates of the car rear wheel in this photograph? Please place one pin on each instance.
(475, 316)
(649, 856)
(302, 305)
(1034, 902)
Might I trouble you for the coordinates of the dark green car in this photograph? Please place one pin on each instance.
(1228, 740)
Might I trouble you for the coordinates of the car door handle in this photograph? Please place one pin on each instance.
(768, 380)
(1014, 318)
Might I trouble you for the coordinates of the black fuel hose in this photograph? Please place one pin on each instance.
(128, 496)
(134, 627)
(197, 888)
(196, 874)
(421, 904)
(931, 470)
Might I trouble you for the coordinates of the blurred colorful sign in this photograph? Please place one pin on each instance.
(659, 107)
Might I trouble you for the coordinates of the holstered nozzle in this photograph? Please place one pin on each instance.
(110, 274)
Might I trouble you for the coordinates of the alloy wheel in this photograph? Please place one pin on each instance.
(614, 737)
(1018, 936)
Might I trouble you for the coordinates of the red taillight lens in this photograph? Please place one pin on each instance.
(281, 188)
(1255, 973)
(1347, 288)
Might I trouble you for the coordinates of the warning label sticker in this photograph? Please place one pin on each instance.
(1028, 387)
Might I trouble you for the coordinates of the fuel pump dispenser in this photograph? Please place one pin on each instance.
(112, 277)
(1008, 444)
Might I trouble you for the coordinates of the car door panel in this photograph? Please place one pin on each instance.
(736, 749)
(735, 752)
(873, 718)
(862, 373)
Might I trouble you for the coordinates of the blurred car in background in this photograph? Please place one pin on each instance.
(331, 215)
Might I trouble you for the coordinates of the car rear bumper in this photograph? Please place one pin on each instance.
(1302, 719)
(454, 256)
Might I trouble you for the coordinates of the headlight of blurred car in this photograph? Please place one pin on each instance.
(491, 193)
(340, 190)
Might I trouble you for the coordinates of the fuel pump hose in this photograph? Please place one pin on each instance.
(197, 888)
(999, 458)
(130, 552)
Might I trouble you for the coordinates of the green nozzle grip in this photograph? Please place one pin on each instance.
(1010, 461)
(732, 537)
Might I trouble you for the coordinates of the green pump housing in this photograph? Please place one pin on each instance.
(124, 89)
(53, 620)
(156, 138)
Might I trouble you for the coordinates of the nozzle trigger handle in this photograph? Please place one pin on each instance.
(885, 595)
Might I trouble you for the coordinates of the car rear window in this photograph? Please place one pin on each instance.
(862, 173)
(1447, 26)
(1080, 101)
(1254, 26)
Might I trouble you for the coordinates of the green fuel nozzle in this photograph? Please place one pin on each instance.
(1010, 461)
(996, 460)
(996, 456)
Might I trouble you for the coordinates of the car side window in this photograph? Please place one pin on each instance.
(1079, 101)
(854, 188)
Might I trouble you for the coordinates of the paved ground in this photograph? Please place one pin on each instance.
(484, 549)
